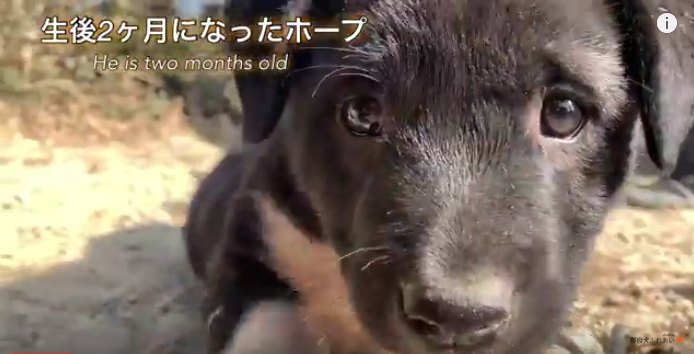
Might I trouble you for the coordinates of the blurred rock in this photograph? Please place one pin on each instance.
(555, 349)
(210, 111)
(664, 193)
(580, 341)
(673, 191)
(619, 340)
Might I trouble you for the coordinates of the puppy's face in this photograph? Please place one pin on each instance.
(462, 160)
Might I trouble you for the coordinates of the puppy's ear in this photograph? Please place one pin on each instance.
(260, 93)
(263, 93)
(660, 70)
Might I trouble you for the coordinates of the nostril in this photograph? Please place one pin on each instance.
(424, 327)
(449, 324)
(417, 320)
(420, 323)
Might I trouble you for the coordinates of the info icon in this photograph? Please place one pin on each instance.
(667, 22)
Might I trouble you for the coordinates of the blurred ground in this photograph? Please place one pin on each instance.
(91, 259)
(96, 170)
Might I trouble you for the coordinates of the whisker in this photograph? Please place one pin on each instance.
(364, 249)
(373, 261)
(354, 55)
(313, 67)
(366, 76)
(641, 84)
(316, 67)
(357, 53)
(325, 78)
(335, 49)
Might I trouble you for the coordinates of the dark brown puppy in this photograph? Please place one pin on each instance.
(436, 189)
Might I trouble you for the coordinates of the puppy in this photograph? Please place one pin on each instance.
(438, 187)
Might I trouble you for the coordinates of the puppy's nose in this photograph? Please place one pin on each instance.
(451, 323)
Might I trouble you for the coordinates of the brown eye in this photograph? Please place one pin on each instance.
(561, 118)
(361, 115)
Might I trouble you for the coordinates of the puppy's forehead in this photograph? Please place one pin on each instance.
(468, 48)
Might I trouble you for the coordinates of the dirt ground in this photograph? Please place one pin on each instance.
(91, 259)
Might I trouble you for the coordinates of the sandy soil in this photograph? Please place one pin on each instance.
(91, 258)
(90, 255)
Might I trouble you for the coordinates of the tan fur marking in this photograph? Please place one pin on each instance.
(313, 269)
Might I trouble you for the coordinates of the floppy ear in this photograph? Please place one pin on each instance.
(660, 69)
(263, 93)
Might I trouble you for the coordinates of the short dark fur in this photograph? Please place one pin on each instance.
(261, 116)
(461, 186)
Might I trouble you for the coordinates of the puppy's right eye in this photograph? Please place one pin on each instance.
(362, 115)
(561, 118)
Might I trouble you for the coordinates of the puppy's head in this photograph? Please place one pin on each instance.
(462, 159)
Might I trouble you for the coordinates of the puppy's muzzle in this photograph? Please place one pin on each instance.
(448, 324)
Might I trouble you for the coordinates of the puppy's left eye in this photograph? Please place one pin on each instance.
(362, 116)
(561, 118)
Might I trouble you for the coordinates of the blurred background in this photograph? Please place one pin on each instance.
(97, 167)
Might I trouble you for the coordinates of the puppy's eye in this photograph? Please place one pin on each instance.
(361, 115)
(561, 118)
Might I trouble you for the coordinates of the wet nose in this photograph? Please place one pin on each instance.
(451, 323)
